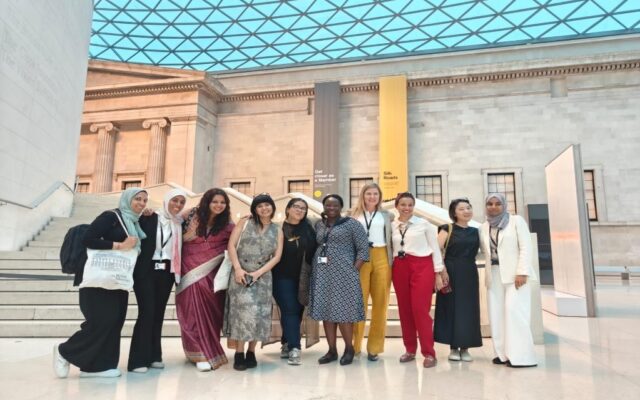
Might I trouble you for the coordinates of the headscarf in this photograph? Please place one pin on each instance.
(129, 217)
(501, 220)
(175, 221)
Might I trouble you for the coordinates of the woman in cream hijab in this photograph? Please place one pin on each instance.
(157, 269)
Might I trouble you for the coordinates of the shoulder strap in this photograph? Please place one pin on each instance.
(121, 222)
(244, 227)
(450, 233)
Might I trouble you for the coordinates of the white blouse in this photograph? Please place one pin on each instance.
(420, 240)
(163, 252)
(376, 229)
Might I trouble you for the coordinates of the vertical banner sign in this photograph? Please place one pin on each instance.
(325, 139)
(394, 170)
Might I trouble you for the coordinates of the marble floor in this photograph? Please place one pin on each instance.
(582, 359)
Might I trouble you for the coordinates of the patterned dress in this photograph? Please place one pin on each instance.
(334, 293)
(248, 309)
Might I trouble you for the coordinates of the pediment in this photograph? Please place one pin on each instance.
(103, 74)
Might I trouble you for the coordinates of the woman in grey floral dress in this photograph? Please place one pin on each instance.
(335, 293)
(248, 308)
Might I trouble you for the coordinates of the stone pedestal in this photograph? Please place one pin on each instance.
(103, 171)
(157, 149)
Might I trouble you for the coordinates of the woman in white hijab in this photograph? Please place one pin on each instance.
(506, 243)
(157, 269)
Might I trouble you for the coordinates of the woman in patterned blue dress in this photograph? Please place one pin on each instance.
(335, 296)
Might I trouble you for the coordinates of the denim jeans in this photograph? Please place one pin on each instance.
(285, 291)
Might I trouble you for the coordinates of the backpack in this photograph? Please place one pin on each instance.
(73, 253)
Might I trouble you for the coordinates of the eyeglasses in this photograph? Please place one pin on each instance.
(299, 207)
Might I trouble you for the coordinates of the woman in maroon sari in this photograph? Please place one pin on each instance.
(200, 311)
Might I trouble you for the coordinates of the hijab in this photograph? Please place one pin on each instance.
(129, 217)
(501, 220)
(175, 222)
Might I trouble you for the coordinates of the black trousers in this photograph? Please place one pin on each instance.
(96, 346)
(152, 293)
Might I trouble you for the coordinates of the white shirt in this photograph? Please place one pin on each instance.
(420, 240)
(376, 229)
(166, 252)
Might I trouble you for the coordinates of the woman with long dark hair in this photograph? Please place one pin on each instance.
(299, 247)
(206, 233)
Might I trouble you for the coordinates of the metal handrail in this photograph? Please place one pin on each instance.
(41, 198)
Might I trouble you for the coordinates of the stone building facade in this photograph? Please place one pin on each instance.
(478, 121)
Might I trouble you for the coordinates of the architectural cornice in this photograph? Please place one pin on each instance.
(446, 80)
(180, 85)
(152, 88)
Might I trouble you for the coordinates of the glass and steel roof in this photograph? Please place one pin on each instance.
(223, 35)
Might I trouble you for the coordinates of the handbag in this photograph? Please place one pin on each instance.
(303, 284)
(110, 269)
(221, 280)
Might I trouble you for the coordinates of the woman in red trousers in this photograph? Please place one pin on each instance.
(416, 263)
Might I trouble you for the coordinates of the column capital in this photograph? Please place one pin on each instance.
(161, 122)
(107, 126)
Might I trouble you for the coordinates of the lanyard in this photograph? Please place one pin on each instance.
(402, 234)
(162, 241)
(323, 251)
(369, 222)
(494, 242)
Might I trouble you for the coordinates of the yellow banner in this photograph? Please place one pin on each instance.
(394, 169)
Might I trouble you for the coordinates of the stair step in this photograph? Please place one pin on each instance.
(56, 244)
(62, 329)
(73, 313)
(50, 298)
(20, 264)
(31, 253)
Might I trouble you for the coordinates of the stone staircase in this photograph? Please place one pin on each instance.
(38, 300)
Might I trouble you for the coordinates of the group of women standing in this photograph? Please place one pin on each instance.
(332, 267)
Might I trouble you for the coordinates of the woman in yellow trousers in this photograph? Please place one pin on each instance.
(375, 275)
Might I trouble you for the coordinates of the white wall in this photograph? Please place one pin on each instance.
(43, 63)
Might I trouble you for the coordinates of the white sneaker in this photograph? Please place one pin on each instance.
(454, 355)
(60, 365)
(140, 370)
(465, 356)
(284, 351)
(203, 366)
(157, 365)
(110, 373)
(294, 357)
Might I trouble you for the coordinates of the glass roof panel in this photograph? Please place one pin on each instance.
(223, 35)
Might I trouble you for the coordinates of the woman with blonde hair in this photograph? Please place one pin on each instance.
(375, 274)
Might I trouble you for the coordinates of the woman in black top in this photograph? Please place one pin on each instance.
(299, 247)
(457, 317)
(95, 348)
(157, 268)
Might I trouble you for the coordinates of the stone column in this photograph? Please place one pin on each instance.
(103, 171)
(157, 149)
